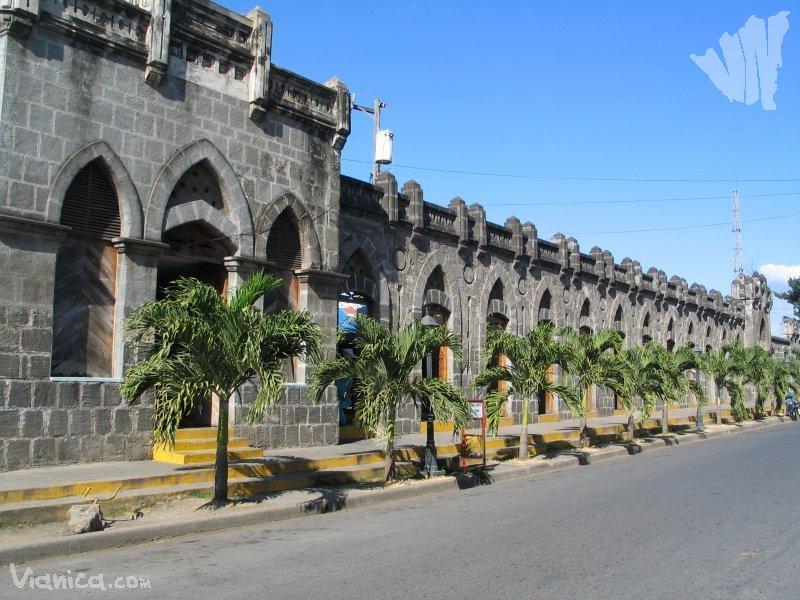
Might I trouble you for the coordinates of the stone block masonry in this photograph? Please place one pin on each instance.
(153, 141)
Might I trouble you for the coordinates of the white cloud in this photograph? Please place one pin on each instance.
(779, 273)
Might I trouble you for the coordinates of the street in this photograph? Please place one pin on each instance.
(716, 519)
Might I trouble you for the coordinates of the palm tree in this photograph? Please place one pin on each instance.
(725, 368)
(382, 372)
(674, 382)
(592, 359)
(757, 371)
(525, 373)
(780, 381)
(195, 344)
(640, 376)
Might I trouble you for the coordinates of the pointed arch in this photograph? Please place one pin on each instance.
(416, 300)
(585, 319)
(130, 206)
(237, 209)
(544, 304)
(361, 276)
(499, 290)
(369, 253)
(312, 252)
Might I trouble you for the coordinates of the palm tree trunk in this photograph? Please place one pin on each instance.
(631, 433)
(719, 415)
(523, 434)
(665, 417)
(221, 463)
(698, 417)
(388, 451)
(582, 429)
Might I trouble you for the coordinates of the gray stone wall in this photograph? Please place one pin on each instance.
(69, 98)
(406, 239)
(156, 95)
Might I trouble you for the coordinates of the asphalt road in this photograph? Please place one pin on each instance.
(719, 519)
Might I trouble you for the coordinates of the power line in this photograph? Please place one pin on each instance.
(635, 201)
(557, 178)
(649, 229)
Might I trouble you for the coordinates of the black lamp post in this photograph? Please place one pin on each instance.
(431, 462)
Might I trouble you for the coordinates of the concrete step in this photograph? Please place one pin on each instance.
(447, 426)
(196, 433)
(187, 445)
(195, 457)
(549, 418)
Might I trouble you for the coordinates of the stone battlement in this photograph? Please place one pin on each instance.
(518, 242)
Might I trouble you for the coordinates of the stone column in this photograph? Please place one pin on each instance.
(137, 271)
(240, 268)
(28, 250)
(319, 294)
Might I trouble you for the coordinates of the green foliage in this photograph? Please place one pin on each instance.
(726, 367)
(592, 359)
(195, 343)
(382, 376)
(641, 374)
(528, 359)
(792, 295)
(674, 381)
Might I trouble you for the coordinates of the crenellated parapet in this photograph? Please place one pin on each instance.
(519, 245)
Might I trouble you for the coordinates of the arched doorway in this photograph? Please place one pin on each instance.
(196, 249)
(358, 298)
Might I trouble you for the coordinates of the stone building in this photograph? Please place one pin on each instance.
(142, 141)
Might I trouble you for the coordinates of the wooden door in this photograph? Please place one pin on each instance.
(83, 308)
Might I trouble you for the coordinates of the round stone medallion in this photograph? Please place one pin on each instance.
(469, 274)
(400, 259)
(522, 285)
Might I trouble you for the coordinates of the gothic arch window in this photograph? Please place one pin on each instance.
(85, 278)
(284, 250)
(546, 301)
(436, 365)
(646, 335)
(436, 280)
(545, 314)
(586, 309)
(497, 291)
(283, 243)
(670, 338)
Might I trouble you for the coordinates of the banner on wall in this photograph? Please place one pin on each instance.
(347, 314)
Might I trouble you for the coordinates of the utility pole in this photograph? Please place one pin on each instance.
(375, 112)
(737, 235)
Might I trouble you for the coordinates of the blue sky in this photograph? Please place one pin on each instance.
(571, 90)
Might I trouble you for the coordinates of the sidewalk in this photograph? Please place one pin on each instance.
(66, 475)
(189, 516)
(45, 494)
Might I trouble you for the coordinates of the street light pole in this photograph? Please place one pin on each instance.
(431, 464)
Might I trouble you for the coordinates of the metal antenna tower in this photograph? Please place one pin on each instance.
(737, 235)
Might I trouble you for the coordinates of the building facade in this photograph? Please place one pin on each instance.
(143, 141)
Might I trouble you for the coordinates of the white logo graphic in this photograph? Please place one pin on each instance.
(752, 57)
(66, 580)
